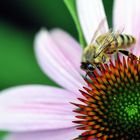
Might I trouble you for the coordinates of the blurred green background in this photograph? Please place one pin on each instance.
(19, 22)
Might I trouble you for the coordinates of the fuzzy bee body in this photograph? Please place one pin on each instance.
(104, 45)
(125, 40)
(117, 42)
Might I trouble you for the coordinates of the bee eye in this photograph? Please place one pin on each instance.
(83, 65)
(90, 67)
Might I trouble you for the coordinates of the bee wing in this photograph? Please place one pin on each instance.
(110, 37)
(101, 29)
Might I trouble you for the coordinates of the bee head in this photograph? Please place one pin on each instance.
(86, 66)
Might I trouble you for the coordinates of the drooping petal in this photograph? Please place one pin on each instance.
(60, 134)
(37, 107)
(69, 47)
(127, 16)
(56, 62)
(91, 13)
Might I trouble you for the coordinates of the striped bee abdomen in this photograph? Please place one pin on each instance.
(124, 40)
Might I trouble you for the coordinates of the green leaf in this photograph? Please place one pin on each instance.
(72, 9)
(108, 5)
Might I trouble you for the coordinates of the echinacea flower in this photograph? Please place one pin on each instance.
(112, 103)
(108, 106)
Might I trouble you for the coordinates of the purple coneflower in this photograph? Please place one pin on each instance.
(108, 107)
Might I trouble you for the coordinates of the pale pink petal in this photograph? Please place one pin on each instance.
(37, 107)
(60, 134)
(56, 62)
(91, 13)
(70, 48)
(127, 16)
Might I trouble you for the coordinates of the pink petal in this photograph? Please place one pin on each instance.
(55, 59)
(60, 134)
(70, 48)
(91, 13)
(37, 107)
(127, 16)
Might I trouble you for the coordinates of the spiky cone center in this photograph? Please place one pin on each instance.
(110, 107)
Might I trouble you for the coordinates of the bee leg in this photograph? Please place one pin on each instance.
(91, 74)
(99, 67)
(130, 55)
(88, 74)
(85, 77)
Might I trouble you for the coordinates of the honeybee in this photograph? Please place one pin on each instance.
(106, 44)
